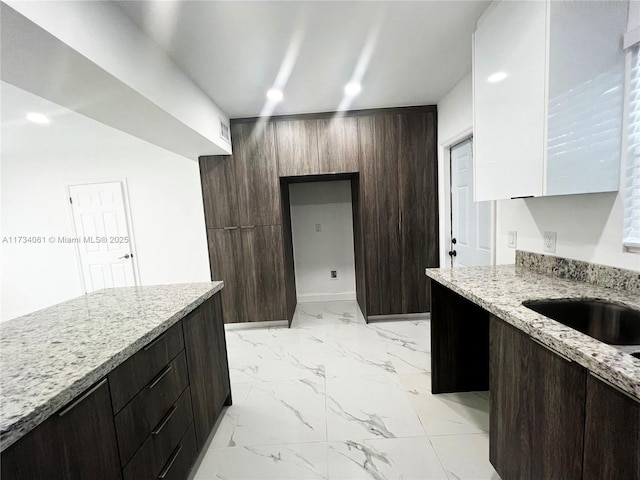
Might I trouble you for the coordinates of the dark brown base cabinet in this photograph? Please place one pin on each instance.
(148, 418)
(537, 408)
(77, 443)
(549, 417)
(612, 433)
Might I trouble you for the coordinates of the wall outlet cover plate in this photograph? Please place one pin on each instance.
(512, 239)
(550, 239)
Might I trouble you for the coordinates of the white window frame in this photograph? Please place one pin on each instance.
(631, 162)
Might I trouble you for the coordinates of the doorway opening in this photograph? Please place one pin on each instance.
(322, 231)
(322, 238)
(471, 223)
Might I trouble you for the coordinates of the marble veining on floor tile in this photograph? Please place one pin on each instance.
(335, 398)
(50, 356)
(501, 290)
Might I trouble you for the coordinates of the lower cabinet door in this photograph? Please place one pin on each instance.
(77, 443)
(208, 365)
(537, 408)
(612, 433)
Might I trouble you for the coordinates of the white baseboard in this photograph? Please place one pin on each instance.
(406, 316)
(326, 297)
(247, 325)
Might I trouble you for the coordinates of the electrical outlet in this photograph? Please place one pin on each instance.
(512, 239)
(318, 227)
(334, 274)
(550, 241)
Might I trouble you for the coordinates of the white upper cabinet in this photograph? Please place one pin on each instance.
(548, 86)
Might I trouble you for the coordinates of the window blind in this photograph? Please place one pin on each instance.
(632, 173)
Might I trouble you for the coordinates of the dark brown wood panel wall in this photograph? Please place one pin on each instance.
(387, 134)
(227, 264)
(338, 145)
(257, 181)
(369, 211)
(264, 252)
(219, 191)
(297, 147)
(393, 150)
(418, 200)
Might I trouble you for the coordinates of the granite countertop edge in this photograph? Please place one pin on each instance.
(22, 425)
(605, 361)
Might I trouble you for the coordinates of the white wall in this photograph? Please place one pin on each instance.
(38, 162)
(92, 58)
(455, 122)
(317, 253)
(589, 227)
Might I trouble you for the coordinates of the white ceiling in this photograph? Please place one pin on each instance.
(404, 53)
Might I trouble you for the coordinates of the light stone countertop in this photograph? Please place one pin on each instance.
(49, 357)
(501, 291)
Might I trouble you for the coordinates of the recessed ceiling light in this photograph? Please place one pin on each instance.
(497, 77)
(352, 88)
(36, 117)
(274, 94)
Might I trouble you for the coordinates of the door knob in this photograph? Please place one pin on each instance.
(454, 241)
(453, 253)
(126, 256)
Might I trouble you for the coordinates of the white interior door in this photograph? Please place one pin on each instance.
(102, 235)
(470, 221)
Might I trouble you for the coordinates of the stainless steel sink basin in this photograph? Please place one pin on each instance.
(608, 322)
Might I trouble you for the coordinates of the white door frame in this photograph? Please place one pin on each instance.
(445, 199)
(127, 211)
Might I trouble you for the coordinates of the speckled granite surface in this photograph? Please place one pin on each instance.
(602, 275)
(502, 289)
(50, 356)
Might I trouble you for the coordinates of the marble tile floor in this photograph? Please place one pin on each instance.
(335, 398)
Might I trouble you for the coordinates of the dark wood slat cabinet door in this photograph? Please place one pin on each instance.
(369, 211)
(77, 443)
(412, 187)
(537, 408)
(227, 264)
(338, 145)
(208, 366)
(386, 149)
(219, 191)
(297, 147)
(265, 273)
(254, 152)
(612, 433)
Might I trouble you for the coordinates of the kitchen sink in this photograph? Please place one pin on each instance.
(608, 322)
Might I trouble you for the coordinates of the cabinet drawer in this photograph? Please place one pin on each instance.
(158, 449)
(127, 380)
(137, 420)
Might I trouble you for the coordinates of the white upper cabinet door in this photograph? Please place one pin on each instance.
(586, 93)
(509, 77)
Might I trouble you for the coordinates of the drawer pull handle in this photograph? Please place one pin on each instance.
(164, 420)
(158, 377)
(169, 464)
(82, 398)
(152, 344)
